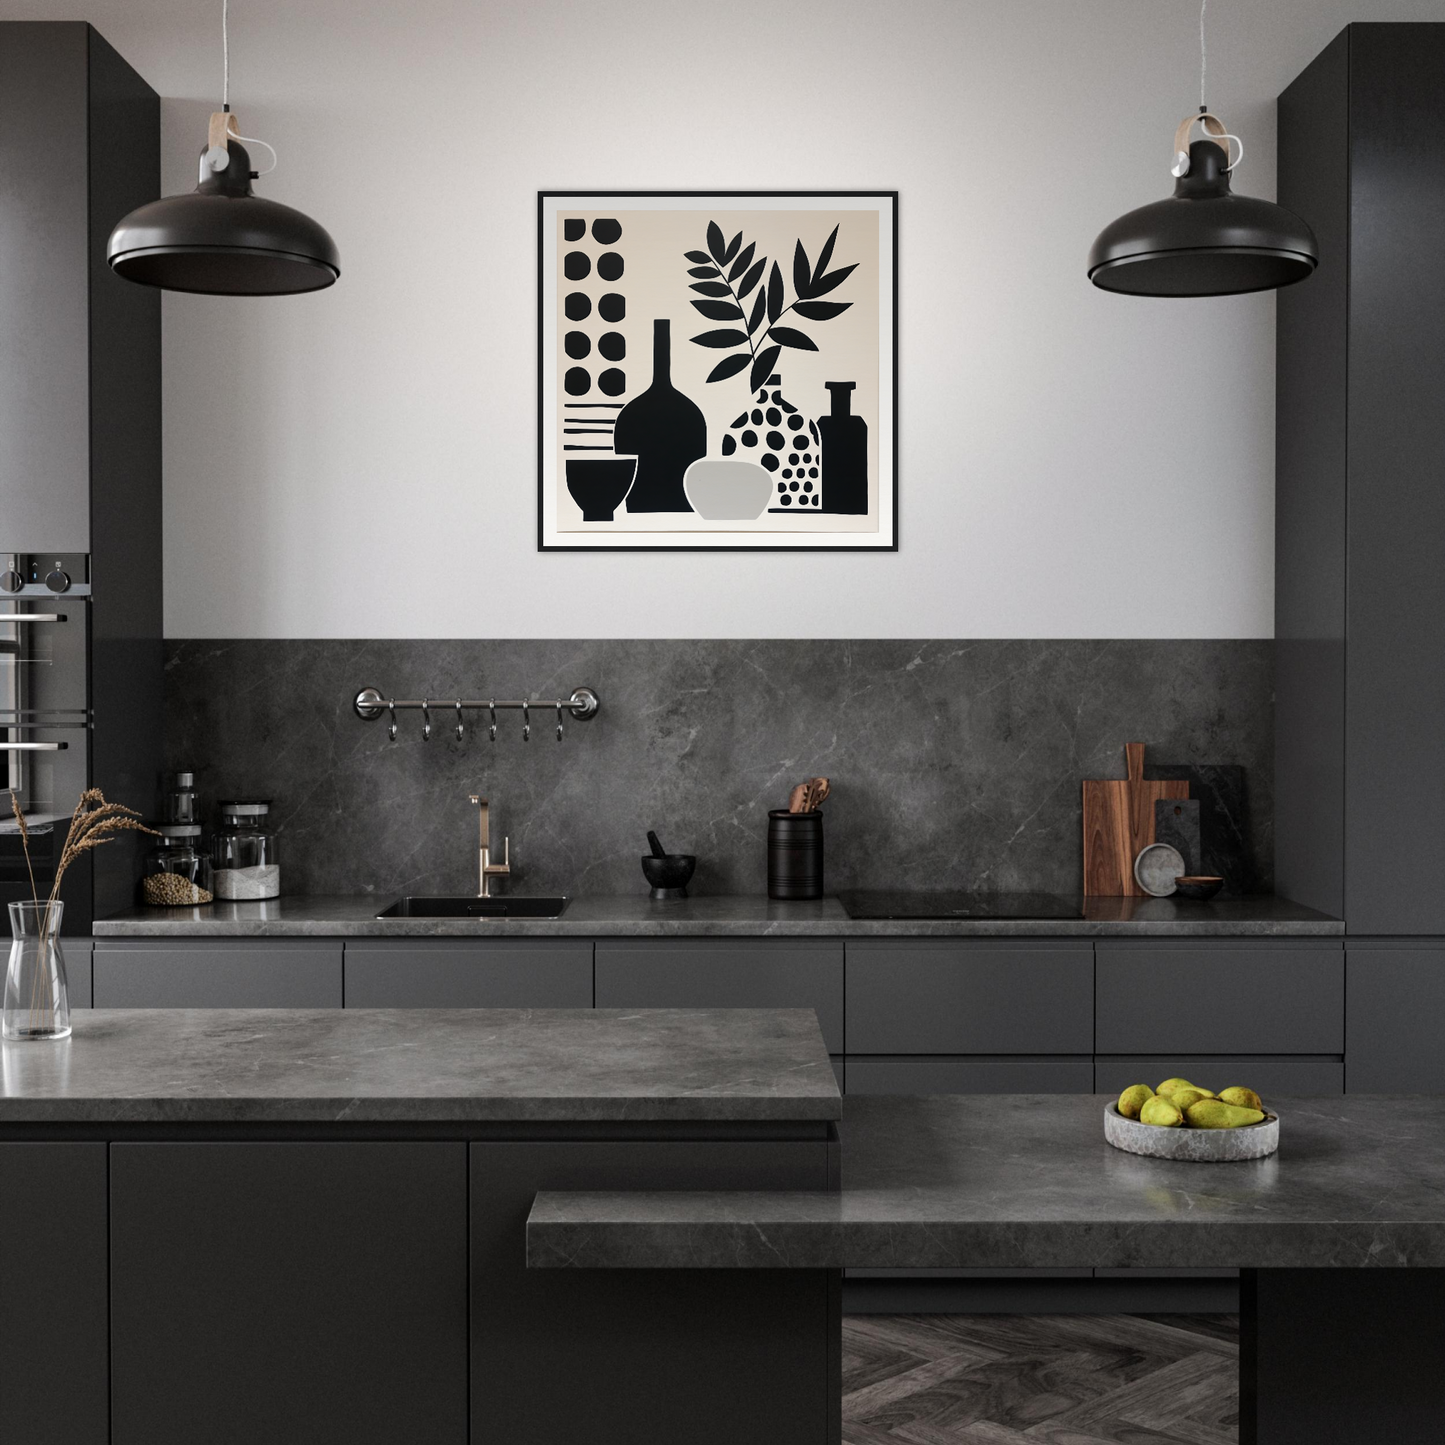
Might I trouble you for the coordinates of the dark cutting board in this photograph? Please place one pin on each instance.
(1119, 823)
(1176, 822)
(1224, 829)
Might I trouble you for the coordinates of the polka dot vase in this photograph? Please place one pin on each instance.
(776, 435)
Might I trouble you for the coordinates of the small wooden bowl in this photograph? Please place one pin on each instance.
(1198, 886)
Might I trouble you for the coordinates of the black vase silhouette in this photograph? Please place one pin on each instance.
(845, 454)
(665, 431)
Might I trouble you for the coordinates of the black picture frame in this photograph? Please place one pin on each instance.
(889, 338)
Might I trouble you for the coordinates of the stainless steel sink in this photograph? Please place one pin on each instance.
(475, 908)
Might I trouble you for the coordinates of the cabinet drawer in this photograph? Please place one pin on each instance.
(1270, 1077)
(970, 1076)
(203, 973)
(1248, 1000)
(434, 974)
(761, 973)
(951, 998)
(77, 953)
(1396, 1034)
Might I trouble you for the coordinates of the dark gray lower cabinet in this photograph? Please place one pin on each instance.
(971, 1076)
(1219, 997)
(1396, 1017)
(77, 953)
(1220, 1071)
(217, 973)
(293, 1293)
(951, 996)
(616, 1357)
(452, 973)
(54, 1326)
(704, 973)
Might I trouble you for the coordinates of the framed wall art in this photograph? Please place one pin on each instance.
(717, 370)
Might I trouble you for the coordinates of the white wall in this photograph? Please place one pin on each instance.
(362, 462)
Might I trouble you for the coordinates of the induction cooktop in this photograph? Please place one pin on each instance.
(866, 904)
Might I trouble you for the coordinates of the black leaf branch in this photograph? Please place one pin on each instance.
(727, 270)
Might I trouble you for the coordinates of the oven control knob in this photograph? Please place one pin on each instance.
(11, 581)
(58, 581)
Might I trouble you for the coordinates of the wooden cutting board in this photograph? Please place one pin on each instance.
(1118, 823)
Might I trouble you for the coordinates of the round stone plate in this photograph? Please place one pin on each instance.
(1198, 1146)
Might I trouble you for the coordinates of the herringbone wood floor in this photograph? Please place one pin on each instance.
(1040, 1380)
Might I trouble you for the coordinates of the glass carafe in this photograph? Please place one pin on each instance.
(37, 1001)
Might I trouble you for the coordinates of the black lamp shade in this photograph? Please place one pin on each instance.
(1204, 240)
(222, 240)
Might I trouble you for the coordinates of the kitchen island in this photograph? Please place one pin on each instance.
(309, 1226)
(1341, 1234)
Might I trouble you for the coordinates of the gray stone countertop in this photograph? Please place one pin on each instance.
(422, 1066)
(1027, 1181)
(719, 916)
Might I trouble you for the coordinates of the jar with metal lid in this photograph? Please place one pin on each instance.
(179, 804)
(178, 870)
(244, 851)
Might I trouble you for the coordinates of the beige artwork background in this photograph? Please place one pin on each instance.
(656, 284)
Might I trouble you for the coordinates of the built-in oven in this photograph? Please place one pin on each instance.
(45, 723)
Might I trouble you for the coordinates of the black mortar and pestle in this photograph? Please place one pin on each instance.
(667, 872)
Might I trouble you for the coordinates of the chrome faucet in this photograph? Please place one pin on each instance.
(487, 870)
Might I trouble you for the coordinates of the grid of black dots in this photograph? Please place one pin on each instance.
(577, 266)
(791, 454)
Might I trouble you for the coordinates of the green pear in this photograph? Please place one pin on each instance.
(1169, 1086)
(1160, 1111)
(1244, 1098)
(1214, 1114)
(1183, 1098)
(1133, 1099)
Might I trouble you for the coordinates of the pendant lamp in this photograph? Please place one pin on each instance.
(1203, 240)
(222, 239)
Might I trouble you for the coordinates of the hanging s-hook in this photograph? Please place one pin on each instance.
(559, 722)
(492, 731)
(526, 724)
(426, 719)
(461, 727)
(391, 708)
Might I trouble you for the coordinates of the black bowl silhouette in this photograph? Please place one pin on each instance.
(668, 875)
(599, 484)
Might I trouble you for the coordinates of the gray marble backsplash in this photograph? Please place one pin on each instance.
(953, 764)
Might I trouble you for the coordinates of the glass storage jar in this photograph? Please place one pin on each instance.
(178, 870)
(244, 851)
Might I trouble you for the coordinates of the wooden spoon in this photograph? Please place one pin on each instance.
(798, 798)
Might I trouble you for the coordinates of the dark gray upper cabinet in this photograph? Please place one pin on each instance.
(1360, 440)
(706, 973)
(80, 379)
(919, 996)
(456, 973)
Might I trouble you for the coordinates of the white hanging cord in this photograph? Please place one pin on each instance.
(1203, 53)
(218, 161)
(251, 140)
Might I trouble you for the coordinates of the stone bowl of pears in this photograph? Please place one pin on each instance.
(1180, 1120)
